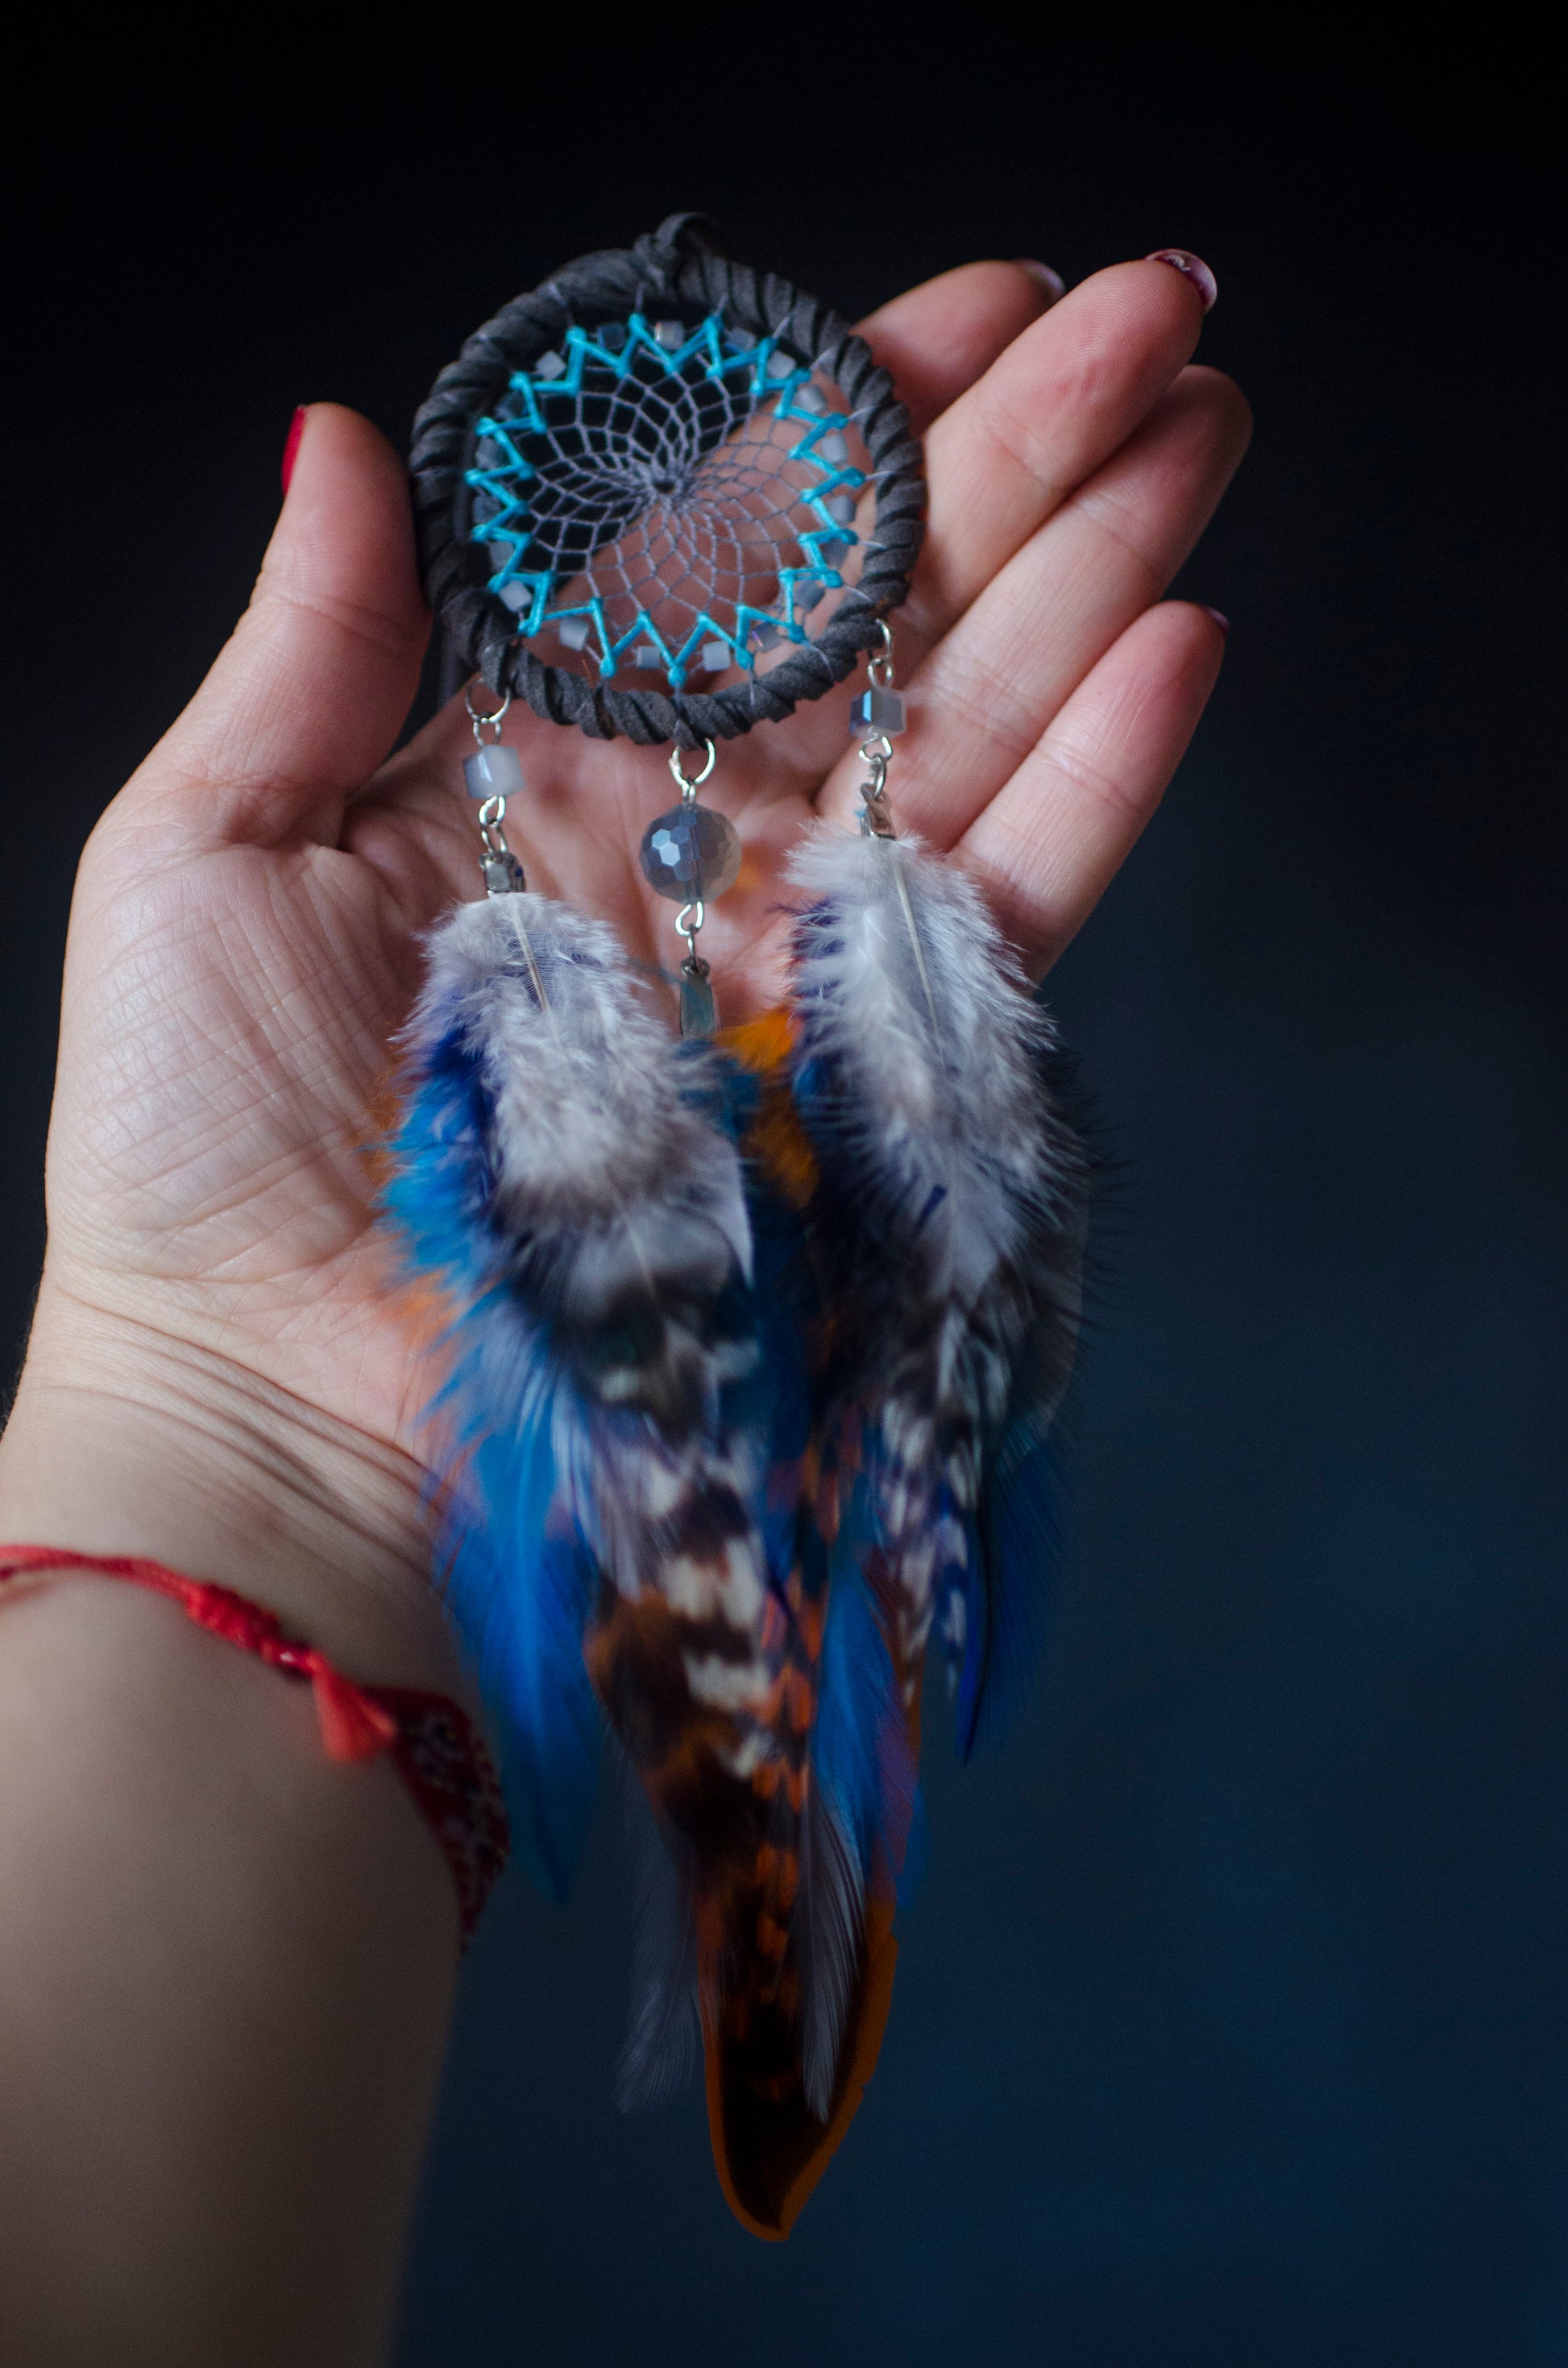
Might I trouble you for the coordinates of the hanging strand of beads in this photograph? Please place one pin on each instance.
(691, 854)
(878, 714)
(492, 774)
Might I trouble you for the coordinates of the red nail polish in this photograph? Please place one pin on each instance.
(1191, 267)
(292, 449)
(1218, 616)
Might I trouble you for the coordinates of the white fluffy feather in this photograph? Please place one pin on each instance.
(590, 1119)
(952, 1196)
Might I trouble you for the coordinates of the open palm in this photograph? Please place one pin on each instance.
(245, 938)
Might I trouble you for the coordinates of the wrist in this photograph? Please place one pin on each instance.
(126, 1441)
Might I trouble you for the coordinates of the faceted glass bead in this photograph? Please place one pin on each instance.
(877, 710)
(690, 854)
(493, 772)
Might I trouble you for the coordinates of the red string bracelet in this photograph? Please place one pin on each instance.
(432, 1742)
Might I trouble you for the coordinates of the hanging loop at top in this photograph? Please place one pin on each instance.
(689, 785)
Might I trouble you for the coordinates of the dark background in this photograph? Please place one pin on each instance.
(1231, 2024)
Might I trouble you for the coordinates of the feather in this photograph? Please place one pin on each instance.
(628, 1456)
(951, 1218)
(663, 2031)
(557, 1181)
(941, 1198)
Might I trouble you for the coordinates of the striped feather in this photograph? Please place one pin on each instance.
(949, 1223)
(637, 1513)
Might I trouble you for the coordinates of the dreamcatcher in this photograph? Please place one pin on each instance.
(753, 1338)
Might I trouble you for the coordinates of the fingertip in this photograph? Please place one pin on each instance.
(1180, 648)
(1050, 283)
(1193, 269)
(1225, 404)
(307, 697)
(345, 527)
(296, 429)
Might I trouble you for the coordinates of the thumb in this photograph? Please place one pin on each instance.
(308, 696)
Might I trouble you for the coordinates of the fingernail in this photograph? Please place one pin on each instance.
(1191, 267)
(1051, 281)
(1218, 616)
(292, 449)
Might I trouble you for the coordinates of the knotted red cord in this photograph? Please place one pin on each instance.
(433, 1742)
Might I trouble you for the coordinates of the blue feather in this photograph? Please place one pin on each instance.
(519, 1589)
(1009, 1588)
(859, 1754)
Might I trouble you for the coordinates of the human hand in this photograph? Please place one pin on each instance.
(218, 1345)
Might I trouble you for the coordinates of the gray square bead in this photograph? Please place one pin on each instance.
(878, 710)
(575, 632)
(550, 366)
(669, 334)
(492, 773)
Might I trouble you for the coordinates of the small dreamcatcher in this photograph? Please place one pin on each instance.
(664, 495)
(755, 1340)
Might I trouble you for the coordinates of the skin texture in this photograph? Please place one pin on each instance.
(216, 1377)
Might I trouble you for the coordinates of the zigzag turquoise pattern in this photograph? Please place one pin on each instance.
(505, 479)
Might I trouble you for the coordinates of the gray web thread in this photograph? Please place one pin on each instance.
(669, 498)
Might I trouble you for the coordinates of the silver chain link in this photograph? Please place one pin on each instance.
(691, 918)
(499, 867)
(876, 749)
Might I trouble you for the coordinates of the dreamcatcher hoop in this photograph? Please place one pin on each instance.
(729, 321)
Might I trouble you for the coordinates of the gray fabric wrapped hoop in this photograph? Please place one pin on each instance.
(678, 265)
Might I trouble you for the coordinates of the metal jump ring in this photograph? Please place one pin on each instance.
(689, 785)
(878, 664)
(478, 717)
(686, 927)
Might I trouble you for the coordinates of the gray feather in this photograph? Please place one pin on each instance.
(955, 1195)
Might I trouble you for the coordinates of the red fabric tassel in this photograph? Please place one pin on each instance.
(434, 1745)
(352, 1726)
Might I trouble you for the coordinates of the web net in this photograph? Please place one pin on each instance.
(669, 500)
